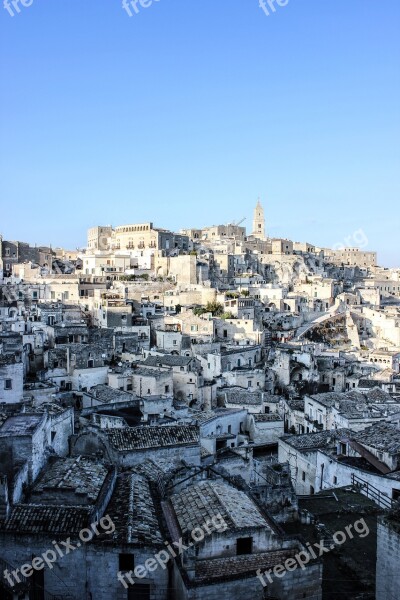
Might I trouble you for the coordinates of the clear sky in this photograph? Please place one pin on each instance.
(185, 113)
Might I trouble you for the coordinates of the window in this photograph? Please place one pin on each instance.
(166, 389)
(90, 363)
(244, 546)
(126, 562)
(8, 384)
(7, 251)
(335, 480)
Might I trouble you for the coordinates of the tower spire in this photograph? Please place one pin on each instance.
(259, 221)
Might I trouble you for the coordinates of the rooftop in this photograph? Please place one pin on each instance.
(39, 519)
(133, 513)
(80, 476)
(382, 436)
(157, 436)
(236, 566)
(167, 360)
(107, 394)
(320, 439)
(20, 425)
(197, 503)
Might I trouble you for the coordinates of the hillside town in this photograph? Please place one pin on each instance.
(155, 384)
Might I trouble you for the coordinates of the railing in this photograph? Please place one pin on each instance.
(365, 488)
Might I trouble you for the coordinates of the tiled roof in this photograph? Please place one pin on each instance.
(81, 475)
(234, 566)
(321, 439)
(196, 504)
(382, 436)
(155, 471)
(52, 408)
(138, 438)
(107, 394)
(265, 418)
(296, 404)
(202, 417)
(33, 518)
(240, 350)
(133, 512)
(167, 360)
(242, 397)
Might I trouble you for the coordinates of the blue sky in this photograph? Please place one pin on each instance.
(186, 112)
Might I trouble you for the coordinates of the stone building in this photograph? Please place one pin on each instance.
(387, 559)
(225, 562)
(11, 378)
(131, 446)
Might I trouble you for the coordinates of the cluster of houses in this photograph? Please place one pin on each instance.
(161, 380)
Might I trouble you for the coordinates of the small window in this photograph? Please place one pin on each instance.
(303, 475)
(244, 546)
(166, 389)
(126, 562)
(335, 480)
(8, 384)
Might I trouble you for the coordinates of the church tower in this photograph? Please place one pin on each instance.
(259, 222)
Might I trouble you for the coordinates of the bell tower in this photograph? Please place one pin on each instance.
(259, 221)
